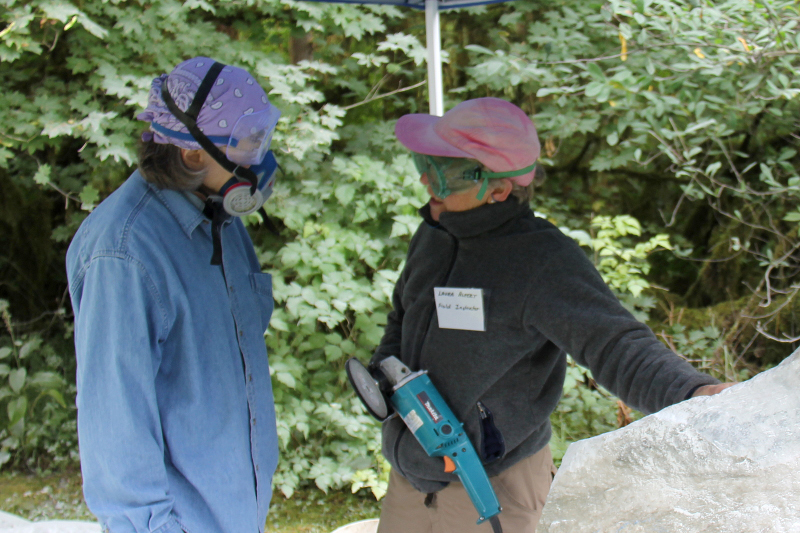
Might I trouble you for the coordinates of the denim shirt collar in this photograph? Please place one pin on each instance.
(181, 207)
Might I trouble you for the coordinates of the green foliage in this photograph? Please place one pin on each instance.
(586, 409)
(622, 262)
(686, 106)
(332, 285)
(37, 427)
(706, 349)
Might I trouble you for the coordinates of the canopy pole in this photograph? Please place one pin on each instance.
(434, 42)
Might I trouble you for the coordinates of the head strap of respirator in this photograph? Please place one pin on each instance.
(247, 190)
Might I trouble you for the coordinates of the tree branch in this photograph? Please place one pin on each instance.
(368, 100)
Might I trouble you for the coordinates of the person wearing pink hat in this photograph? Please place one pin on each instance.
(490, 301)
(453, 153)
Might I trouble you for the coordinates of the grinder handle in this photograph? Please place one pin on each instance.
(470, 471)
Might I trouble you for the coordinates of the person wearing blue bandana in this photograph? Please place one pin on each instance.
(176, 420)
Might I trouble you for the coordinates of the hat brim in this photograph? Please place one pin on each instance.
(416, 133)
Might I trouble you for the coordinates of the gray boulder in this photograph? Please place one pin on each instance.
(728, 463)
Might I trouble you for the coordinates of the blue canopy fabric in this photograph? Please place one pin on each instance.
(416, 4)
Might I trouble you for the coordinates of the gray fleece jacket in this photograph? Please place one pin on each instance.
(543, 299)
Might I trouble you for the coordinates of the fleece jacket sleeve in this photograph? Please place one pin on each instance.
(392, 335)
(571, 305)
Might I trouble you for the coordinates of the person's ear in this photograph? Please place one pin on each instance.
(501, 191)
(193, 158)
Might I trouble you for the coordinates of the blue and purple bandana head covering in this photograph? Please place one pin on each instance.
(237, 115)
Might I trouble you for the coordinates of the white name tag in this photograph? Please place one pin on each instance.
(460, 308)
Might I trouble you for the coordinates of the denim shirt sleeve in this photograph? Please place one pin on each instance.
(120, 320)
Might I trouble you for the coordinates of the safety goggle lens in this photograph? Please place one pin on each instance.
(447, 175)
(420, 162)
(251, 136)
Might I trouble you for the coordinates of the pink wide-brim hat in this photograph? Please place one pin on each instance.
(495, 132)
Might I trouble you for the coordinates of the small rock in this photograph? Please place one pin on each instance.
(362, 526)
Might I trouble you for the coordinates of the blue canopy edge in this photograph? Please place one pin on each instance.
(415, 4)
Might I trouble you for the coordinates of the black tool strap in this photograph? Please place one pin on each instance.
(268, 223)
(429, 499)
(202, 92)
(495, 521)
(216, 212)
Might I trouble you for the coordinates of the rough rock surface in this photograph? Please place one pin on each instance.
(10, 523)
(728, 463)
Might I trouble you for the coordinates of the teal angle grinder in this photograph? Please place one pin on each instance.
(394, 389)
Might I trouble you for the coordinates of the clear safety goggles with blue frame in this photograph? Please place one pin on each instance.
(249, 140)
(449, 175)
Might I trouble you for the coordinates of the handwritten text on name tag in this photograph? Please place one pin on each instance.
(460, 308)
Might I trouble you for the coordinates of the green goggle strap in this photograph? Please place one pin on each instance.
(444, 189)
(497, 175)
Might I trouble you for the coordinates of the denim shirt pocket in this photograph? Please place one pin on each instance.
(262, 289)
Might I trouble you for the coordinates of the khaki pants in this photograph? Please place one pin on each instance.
(521, 490)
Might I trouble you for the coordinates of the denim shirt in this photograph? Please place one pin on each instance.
(176, 421)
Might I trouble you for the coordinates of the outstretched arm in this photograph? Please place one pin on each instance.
(572, 306)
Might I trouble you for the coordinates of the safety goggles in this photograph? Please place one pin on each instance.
(449, 175)
(251, 135)
(249, 139)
